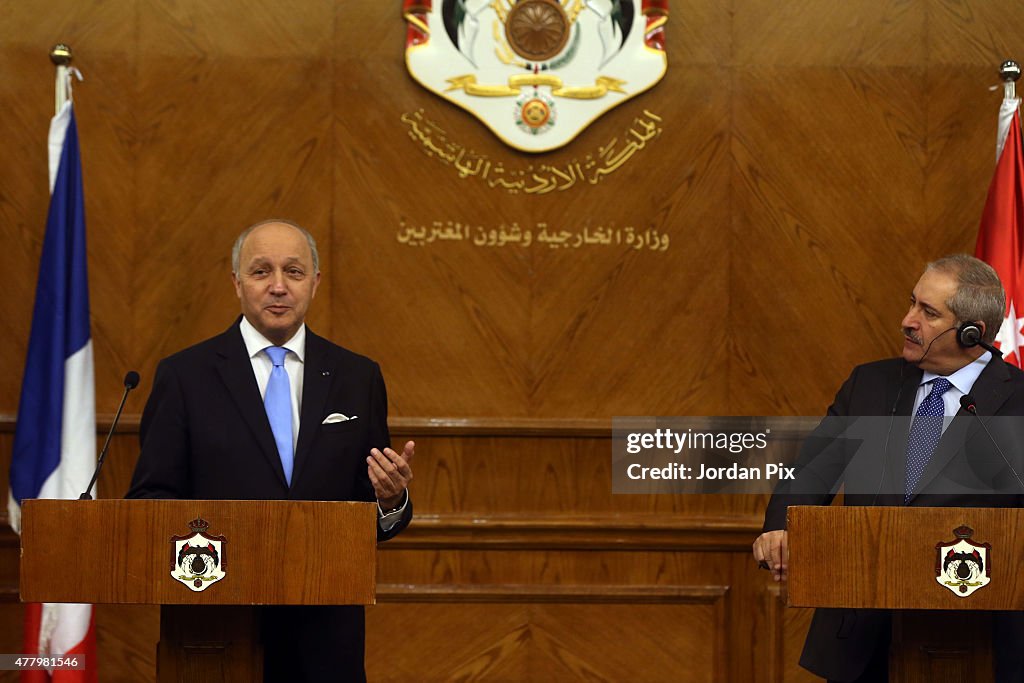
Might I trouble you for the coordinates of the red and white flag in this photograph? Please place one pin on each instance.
(1000, 236)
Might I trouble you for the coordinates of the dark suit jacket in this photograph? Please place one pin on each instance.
(205, 435)
(841, 642)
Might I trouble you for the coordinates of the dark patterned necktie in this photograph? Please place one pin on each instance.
(925, 433)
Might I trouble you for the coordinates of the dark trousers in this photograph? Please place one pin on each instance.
(313, 644)
(877, 670)
(1008, 646)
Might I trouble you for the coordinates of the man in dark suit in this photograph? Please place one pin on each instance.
(269, 410)
(936, 370)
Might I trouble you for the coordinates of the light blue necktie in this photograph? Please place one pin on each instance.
(278, 402)
(925, 433)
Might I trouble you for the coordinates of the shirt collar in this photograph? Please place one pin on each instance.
(256, 342)
(964, 378)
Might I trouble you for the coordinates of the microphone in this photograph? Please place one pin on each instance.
(888, 432)
(131, 380)
(970, 335)
(968, 403)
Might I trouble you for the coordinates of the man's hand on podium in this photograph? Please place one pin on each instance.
(772, 552)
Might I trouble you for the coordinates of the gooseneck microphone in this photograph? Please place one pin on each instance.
(131, 380)
(888, 431)
(968, 403)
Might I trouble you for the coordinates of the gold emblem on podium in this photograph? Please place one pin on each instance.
(962, 565)
(197, 559)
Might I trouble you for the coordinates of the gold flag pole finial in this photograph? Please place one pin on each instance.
(60, 55)
(1009, 72)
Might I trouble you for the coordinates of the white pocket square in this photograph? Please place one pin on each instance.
(337, 417)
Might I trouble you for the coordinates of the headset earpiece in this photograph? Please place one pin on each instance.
(969, 334)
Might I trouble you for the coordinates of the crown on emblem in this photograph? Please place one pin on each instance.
(199, 524)
(963, 531)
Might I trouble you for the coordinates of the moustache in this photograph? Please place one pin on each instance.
(909, 334)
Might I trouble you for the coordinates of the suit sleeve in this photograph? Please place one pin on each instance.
(822, 460)
(381, 438)
(162, 470)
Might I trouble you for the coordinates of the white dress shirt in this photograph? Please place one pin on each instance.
(962, 380)
(255, 345)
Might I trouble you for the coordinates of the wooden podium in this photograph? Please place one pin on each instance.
(887, 558)
(242, 553)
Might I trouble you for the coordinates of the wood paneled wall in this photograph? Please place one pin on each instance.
(813, 156)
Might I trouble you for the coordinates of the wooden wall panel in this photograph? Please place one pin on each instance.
(247, 86)
(791, 134)
(786, 632)
(971, 33)
(11, 617)
(562, 634)
(811, 158)
(522, 329)
(819, 232)
(126, 637)
(105, 32)
(889, 33)
(958, 155)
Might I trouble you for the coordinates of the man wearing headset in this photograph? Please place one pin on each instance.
(956, 309)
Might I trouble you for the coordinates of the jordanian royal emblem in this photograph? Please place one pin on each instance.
(536, 72)
(962, 566)
(197, 559)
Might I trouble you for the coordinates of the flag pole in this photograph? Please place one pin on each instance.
(1009, 71)
(61, 56)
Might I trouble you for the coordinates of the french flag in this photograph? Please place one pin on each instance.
(55, 438)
